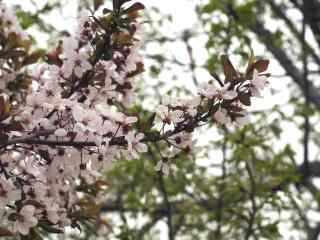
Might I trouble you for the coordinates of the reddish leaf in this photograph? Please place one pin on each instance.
(5, 109)
(106, 11)
(245, 99)
(229, 71)
(261, 65)
(47, 227)
(34, 203)
(235, 108)
(5, 232)
(118, 3)
(2, 106)
(13, 127)
(140, 69)
(134, 8)
(251, 61)
(11, 54)
(121, 2)
(97, 4)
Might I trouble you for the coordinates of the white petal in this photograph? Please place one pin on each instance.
(60, 132)
(141, 147)
(27, 210)
(158, 166)
(229, 95)
(165, 169)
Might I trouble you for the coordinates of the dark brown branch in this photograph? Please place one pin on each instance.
(254, 209)
(267, 38)
(314, 233)
(314, 170)
(221, 189)
(281, 14)
(192, 65)
(168, 206)
(296, 75)
(306, 93)
(312, 10)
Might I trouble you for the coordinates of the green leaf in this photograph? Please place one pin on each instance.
(26, 19)
(34, 57)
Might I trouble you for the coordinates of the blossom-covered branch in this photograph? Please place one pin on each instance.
(68, 119)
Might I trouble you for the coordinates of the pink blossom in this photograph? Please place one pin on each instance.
(25, 220)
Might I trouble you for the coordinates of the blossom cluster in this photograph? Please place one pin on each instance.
(74, 122)
(76, 97)
(10, 27)
(224, 105)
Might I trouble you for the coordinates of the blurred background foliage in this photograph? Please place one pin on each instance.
(257, 182)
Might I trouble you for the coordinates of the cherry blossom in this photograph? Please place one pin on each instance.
(75, 120)
(226, 93)
(60, 132)
(207, 90)
(243, 120)
(259, 82)
(11, 23)
(76, 63)
(163, 166)
(25, 220)
(135, 146)
(221, 116)
(8, 192)
(169, 116)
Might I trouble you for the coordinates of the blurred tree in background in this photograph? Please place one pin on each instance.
(259, 182)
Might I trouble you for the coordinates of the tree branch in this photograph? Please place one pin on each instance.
(282, 57)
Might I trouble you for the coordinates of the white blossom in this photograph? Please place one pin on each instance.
(221, 116)
(259, 82)
(8, 192)
(135, 145)
(169, 116)
(25, 220)
(207, 90)
(163, 166)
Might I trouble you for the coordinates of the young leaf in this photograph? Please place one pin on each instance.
(106, 11)
(5, 232)
(117, 4)
(216, 77)
(121, 2)
(251, 62)
(261, 65)
(134, 8)
(11, 54)
(47, 227)
(229, 71)
(34, 57)
(245, 99)
(139, 69)
(5, 109)
(97, 4)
